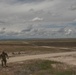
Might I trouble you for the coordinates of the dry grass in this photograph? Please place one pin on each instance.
(35, 46)
(38, 67)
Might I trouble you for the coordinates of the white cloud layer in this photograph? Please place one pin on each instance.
(37, 18)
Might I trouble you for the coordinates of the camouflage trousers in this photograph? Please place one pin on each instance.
(3, 62)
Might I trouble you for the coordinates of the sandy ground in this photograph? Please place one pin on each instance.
(66, 57)
(66, 48)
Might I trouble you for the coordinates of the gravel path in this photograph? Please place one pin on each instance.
(62, 57)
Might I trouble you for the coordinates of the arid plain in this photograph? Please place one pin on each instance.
(39, 57)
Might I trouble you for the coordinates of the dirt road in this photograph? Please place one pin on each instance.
(66, 57)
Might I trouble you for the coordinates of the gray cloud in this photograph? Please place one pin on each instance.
(34, 17)
(12, 33)
(35, 31)
(29, 1)
(2, 30)
(27, 29)
(73, 7)
(2, 22)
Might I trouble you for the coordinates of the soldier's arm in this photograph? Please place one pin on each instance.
(7, 56)
(0, 56)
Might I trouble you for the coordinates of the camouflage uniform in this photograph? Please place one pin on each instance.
(3, 57)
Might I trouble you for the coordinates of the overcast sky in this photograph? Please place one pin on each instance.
(37, 19)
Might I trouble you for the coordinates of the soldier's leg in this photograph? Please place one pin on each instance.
(5, 62)
(2, 63)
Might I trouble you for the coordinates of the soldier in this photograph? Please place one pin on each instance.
(4, 57)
